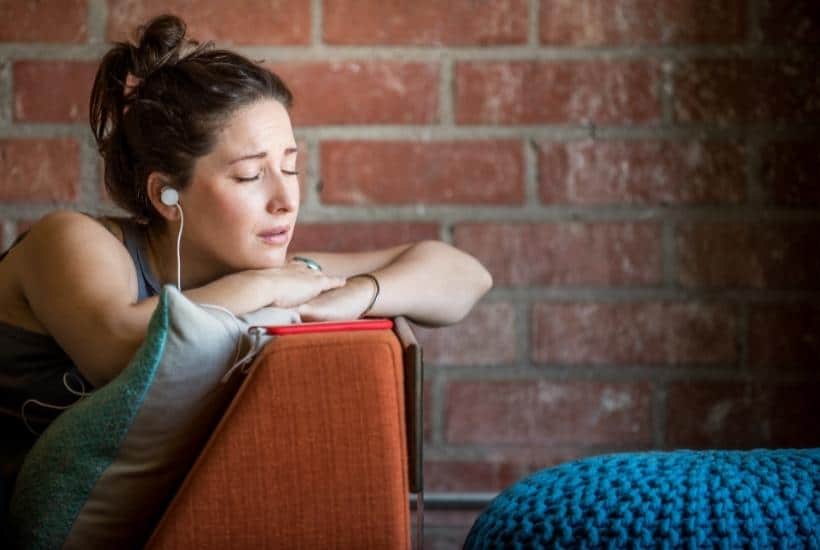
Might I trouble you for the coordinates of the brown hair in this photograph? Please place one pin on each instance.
(186, 92)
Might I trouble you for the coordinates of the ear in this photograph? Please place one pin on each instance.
(157, 181)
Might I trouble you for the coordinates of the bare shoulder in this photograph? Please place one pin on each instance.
(63, 226)
(79, 248)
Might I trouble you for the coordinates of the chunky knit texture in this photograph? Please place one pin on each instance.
(680, 499)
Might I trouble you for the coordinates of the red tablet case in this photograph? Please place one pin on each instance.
(331, 326)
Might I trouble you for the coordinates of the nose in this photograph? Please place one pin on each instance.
(283, 192)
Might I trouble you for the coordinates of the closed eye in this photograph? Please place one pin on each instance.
(254, 178)
(257, 176)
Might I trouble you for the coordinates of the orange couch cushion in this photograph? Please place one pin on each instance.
(310, 454)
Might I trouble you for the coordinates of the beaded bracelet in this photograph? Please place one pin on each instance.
(375, 294)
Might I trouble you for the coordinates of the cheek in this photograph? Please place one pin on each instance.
(297, 194)
(220, 214)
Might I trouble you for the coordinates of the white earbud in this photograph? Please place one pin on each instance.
(169, 196)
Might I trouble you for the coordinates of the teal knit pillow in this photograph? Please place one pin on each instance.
(101, 475)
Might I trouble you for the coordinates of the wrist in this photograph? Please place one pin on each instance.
(370, 284)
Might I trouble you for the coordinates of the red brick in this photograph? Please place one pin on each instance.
(794, 413)
(557, 92)
(742, 415)
(39, 170)
(747, 90)
(487, 336)
(634, 333)
(401, 172)
(790, 21)
(359, 236)
(544, 412)
(789, 173)
(641, 172)
(603, 22)
(463, 475)
(302, 166)
(250, 22)
(784, 336)
(363, 92)
(566, 253)
(494, 473)
(65, 97)
(65, 21)
(425, 22)
(752, 255)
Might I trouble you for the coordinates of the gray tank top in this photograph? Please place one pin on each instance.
(33, 366)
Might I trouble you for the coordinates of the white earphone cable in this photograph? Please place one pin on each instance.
(254, 331)
(179, 242)
(82, 393)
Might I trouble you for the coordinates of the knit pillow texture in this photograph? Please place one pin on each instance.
(679, 499)
(103, 472)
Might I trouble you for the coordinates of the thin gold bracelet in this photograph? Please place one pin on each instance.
(375, 294)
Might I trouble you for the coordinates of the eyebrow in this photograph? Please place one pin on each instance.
(263, 154)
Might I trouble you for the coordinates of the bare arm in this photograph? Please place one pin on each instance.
(80, 283)
(430, 282)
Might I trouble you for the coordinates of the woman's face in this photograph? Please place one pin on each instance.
(242, 203)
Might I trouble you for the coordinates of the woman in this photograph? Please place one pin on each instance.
(197, 145)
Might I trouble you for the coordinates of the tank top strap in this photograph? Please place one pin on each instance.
(135, 241)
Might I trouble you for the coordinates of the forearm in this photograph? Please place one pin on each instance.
(239, 293)
(431, 283)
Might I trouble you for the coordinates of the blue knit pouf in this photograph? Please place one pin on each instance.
(679, 499)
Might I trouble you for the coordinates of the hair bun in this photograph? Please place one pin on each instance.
(159, 42)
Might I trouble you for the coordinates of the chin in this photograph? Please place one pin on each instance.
(272, 259)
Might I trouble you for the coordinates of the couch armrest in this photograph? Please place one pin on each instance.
(310, 454)
(414, 401)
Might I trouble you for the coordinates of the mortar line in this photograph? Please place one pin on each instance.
(669, 254)
(96, 20)
(311, 182)
(658, 412)
(437, 410)
(533, 24)
(90, 198)
(524, 311)
(667, 91)
(319, 52)
(446, 91)
(531, 172)
(316, 21)
(753, 31)
(6, 95)
(742, 337)
(469, 133)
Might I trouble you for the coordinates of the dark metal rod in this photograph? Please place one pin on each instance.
(454, 501)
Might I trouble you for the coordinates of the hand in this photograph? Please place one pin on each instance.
(295, 283)
(344, 303)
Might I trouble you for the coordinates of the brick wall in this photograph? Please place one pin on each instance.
(640, 178)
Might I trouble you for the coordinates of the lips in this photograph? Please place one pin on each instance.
(275, 235)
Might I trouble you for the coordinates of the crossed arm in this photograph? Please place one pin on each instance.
(80, 284)
(430, 282)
